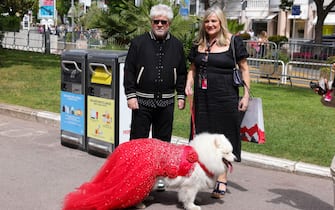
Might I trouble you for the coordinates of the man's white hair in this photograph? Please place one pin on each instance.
(161, 10)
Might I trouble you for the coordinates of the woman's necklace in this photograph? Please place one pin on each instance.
(209, 45)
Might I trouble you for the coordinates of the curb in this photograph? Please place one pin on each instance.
(249, 159)
(268, 162)
(26, 113)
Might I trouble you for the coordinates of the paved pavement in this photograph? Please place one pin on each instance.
(37, 172)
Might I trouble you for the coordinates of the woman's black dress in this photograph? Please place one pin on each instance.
(216, 108)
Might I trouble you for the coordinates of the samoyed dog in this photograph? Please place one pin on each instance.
(130, 172)
(215, 154)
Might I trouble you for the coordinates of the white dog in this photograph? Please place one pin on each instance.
(130, 172)
(215, 154)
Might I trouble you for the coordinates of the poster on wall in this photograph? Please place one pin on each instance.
(46, 9)
(101, 119)
(185, 8)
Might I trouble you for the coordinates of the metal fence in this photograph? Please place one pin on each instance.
(24, 40)
(54, 43)
(294, 62)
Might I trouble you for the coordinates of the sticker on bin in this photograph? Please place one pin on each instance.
(101, 74)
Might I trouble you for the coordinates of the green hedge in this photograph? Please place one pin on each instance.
(10, 23)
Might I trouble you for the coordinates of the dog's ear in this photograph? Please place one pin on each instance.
(217, 141)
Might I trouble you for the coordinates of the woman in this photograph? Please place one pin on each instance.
(262, 40)
(216, 100)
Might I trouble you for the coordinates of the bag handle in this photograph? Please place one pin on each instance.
(233, 48)
(232, 43)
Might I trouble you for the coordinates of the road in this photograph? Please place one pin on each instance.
(37, 172)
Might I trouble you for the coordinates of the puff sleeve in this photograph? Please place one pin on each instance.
(241, 51)
(193, 53)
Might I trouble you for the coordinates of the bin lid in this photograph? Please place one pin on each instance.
(109, 54)
(74, 53)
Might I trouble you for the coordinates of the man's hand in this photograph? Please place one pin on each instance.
(132, 103)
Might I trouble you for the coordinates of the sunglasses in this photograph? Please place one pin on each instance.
(163, 22)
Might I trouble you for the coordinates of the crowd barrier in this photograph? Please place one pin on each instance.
(298, 62)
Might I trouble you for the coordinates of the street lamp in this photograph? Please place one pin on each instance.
(71, 13)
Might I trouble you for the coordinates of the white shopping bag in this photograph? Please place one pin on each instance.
(252, 126)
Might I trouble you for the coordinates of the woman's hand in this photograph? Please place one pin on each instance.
(243, 104)
(181, 104)
(189, 90)
(190, 80)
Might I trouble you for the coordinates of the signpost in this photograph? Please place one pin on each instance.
(295, 12)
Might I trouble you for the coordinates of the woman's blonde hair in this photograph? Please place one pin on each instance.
(223, 34)
(263, 34)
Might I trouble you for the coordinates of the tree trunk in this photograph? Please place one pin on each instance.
(321, 12)
(318, 30)
(207, 4)
(321, 15)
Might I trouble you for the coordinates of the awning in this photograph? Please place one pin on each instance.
(266, 18)
(329, 20)
(271, 16)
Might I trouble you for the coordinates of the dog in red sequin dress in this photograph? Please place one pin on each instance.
(130, 172)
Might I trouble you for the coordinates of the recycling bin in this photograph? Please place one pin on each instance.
(108, 117)
(73, 99)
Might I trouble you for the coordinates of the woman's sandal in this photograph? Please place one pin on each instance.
(217, 193)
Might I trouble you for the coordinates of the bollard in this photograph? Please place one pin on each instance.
(332, 171)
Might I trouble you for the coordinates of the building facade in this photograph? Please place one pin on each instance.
(265, 15)
(296, 23)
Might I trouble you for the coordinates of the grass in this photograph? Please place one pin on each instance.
(297, 126)
(30, 79)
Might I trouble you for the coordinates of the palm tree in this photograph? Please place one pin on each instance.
(124, 21)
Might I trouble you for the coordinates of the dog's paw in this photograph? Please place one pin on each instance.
(149, 198)
(140, 206)
(192, 207)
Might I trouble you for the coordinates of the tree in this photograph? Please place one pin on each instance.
(92, 17)
(121, 22)
(63, 7)
(14, 10)
(207, 4)
(321, 12)
(16, 7)
(286, 5)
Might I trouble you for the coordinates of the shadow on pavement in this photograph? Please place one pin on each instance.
(297, 199)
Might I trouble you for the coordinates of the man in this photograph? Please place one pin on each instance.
(155, 69)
